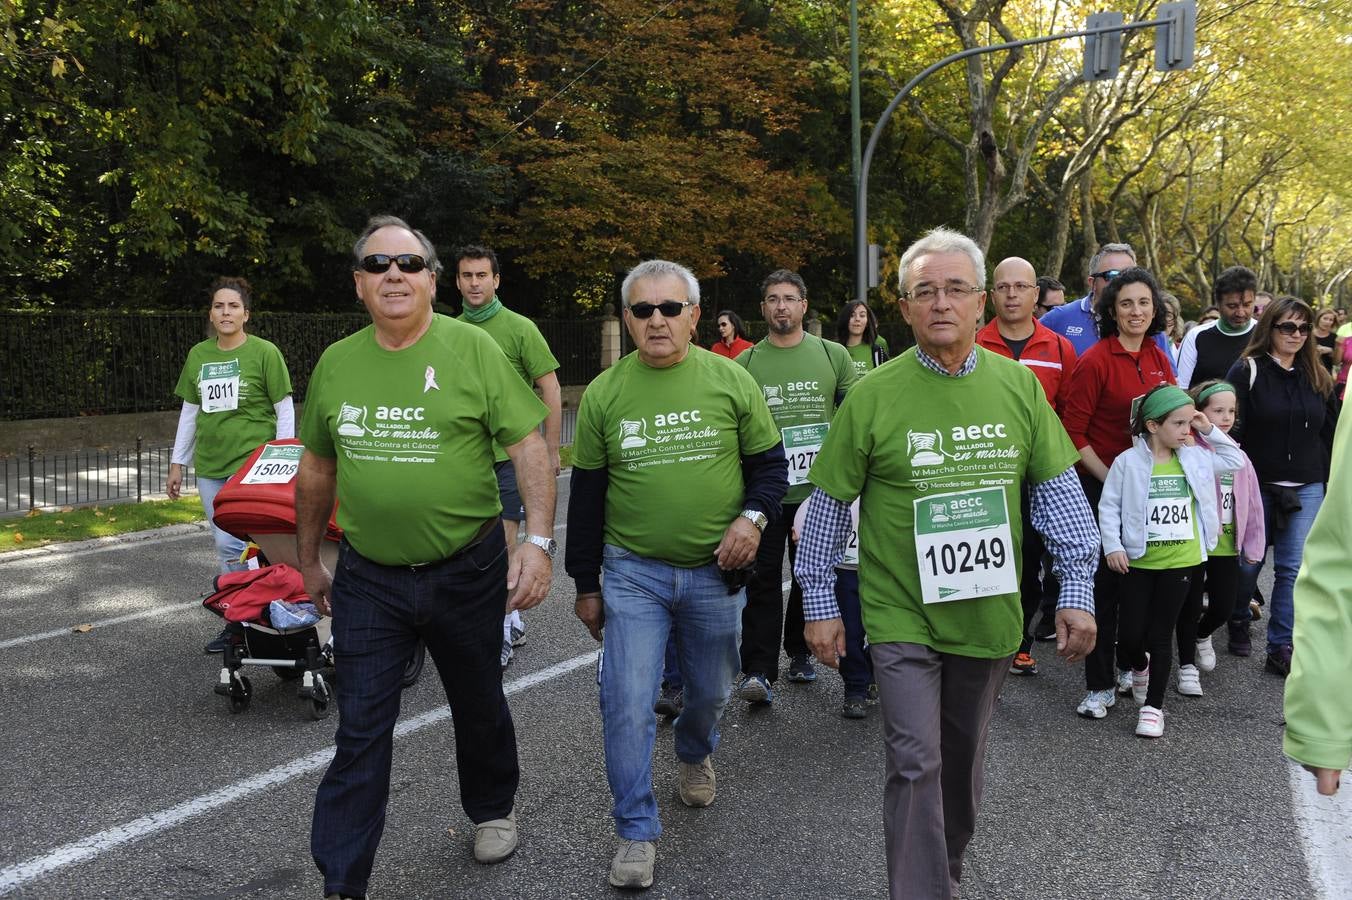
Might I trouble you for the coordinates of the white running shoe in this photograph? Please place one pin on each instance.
(1189, 683)
(1095, 704)
(1206, 655)
(1150, 722)
(1124, 682)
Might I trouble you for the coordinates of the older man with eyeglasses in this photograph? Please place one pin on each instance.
(677, 469)
(1077, 321)
(399, 425)
(938, 477)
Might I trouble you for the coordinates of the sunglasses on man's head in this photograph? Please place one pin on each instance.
(379, 263)
(1290, 328)
(670, 309)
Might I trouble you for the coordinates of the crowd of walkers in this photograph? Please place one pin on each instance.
(1070, 471)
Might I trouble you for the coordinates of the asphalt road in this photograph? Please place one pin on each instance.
(125, 776)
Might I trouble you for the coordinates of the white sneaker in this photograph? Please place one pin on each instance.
(1140, 684)
(1124, 681)
(1095, 704)
(1206, 655)
(1150, 722)
(1189, 683)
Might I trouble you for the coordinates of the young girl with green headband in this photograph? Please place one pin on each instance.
(1242, 535)
(1159, 518)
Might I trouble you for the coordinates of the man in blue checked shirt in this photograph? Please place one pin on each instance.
(939, 478)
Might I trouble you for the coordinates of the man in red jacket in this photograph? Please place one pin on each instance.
(1016, 333)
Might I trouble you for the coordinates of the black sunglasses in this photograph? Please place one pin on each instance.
(1106, 274)
(379, 263)
(670, 309)
(1290, 328)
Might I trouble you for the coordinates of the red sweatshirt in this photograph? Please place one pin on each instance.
(1107, 378)
(1048, 354)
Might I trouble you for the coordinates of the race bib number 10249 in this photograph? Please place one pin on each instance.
(964, 545)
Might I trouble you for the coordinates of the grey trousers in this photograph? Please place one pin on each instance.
(936, 713)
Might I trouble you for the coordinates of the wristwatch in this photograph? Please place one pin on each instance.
(755, 517)
(549, 545)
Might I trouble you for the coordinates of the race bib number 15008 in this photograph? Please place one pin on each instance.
(275, 465)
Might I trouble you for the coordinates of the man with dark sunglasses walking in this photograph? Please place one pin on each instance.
(399, 426)
(677, 468)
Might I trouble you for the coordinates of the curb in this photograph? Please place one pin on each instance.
(75, 548)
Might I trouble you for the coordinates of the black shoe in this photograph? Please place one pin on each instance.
(801, 670)
(670, 702)
(218, 643)
(1279, 661)
(1240, 645)
(854, 708)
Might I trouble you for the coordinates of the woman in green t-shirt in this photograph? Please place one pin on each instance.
(857, 329)
(236, 395)
(1159, 518)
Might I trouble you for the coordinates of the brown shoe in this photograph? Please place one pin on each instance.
(699, 785)
(495, 840)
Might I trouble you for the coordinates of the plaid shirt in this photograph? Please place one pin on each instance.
(1060, 513)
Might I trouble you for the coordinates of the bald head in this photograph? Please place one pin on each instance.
(1015, 296)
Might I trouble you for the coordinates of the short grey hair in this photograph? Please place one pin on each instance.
(942, 240)
(660, 268)
(1110, 248)
(375, 223)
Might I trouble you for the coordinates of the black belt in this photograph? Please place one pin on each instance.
(482, 534)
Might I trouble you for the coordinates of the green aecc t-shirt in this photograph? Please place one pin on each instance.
(937, 463)
(673, 441)
(413, 433)
(524, 346)
(236, 390)
(800, 384)
(1171, 537)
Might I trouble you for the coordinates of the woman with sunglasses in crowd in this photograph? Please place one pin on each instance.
(732, 337)
(857, 329)
(236, 395)
(1286, 416)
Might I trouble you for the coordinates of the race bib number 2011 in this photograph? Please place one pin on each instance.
(964, 545)
(218, 385)
(275, 465)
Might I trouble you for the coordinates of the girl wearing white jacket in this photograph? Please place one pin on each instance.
(1159, 517)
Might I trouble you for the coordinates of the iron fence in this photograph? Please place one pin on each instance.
(83, 477)
(82, 363)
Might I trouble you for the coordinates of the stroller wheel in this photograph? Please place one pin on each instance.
(319, 700)
(415, 665)
(240, 694)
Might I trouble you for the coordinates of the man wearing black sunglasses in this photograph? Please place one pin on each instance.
(677, 468)
(399, 426)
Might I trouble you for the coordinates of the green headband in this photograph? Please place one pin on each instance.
(1220, 387)
(1163, 401)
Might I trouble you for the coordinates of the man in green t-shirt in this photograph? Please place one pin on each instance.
(677, 469)
(803, 379)
(477, 277)
(937, 445)
(399, 425)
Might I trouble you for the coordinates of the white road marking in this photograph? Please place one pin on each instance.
(100, 623)
(1325, 826)
(96, 845)
(46, 553)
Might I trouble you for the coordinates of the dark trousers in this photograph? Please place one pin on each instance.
(379, 614)
(936, 715)
(1035, 593)
(856, 668)
(1150, 601)
(1103, 662)
(1218, 578)
(765, 618)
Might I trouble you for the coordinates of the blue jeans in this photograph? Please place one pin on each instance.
(1288, 545)
(856, 667)
(228, 547)
(645, 600)
(379, 614)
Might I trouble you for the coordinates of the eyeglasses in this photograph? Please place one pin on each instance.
(1018, 287)
(775, 300)
(1290, 328)
(1106, 274)
(379, 263)
(929, 294)
(670, 309)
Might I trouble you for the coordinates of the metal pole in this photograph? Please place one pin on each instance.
(32, 453)
(861, 192)
(138, 468)
(856, 123)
